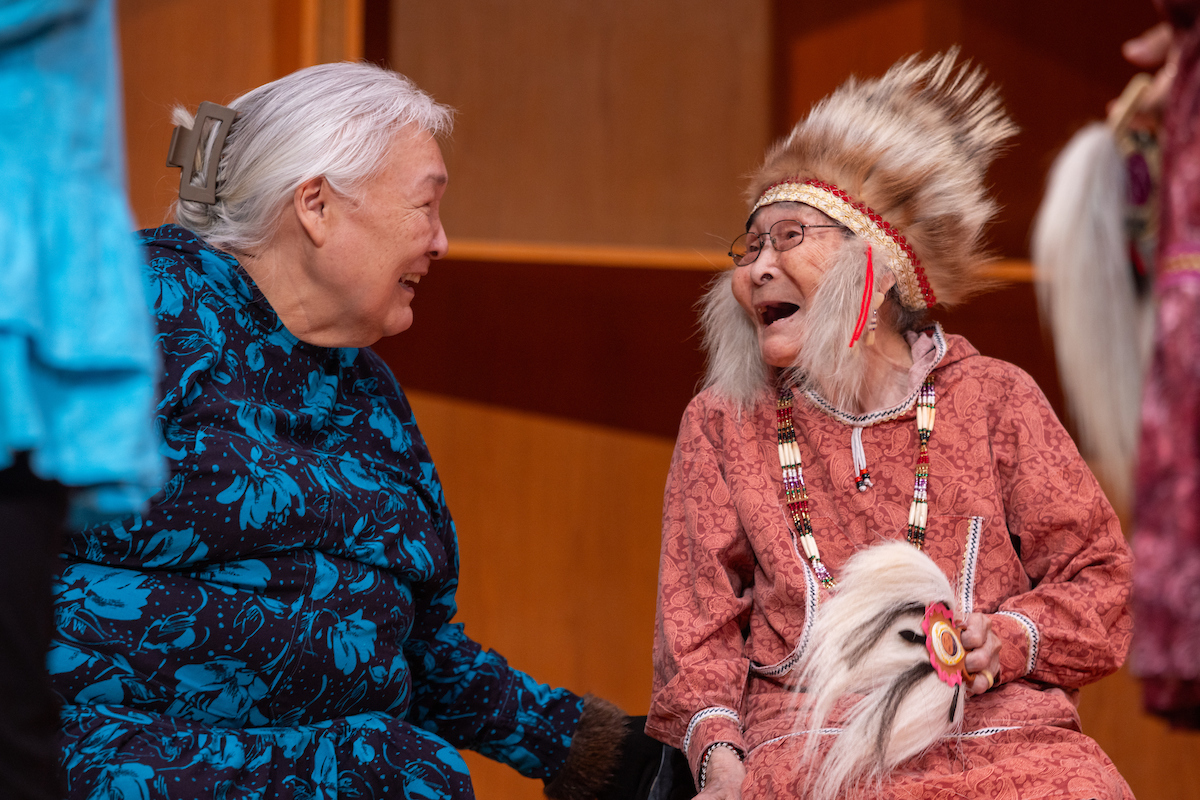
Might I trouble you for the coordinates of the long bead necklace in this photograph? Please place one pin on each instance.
(918, 512)
(797, 494)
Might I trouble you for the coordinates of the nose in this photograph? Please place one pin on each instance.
(440, 244)
(765, 267)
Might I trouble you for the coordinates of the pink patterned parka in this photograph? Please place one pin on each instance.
(1016, 521)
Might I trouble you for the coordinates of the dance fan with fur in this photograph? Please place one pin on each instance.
(886, 671)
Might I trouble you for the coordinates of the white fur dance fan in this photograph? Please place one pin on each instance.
(886, 638)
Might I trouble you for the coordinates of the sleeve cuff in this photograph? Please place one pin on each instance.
(711, 725)
(1018, 644)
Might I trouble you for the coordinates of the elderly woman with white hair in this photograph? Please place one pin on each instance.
(886, 571)
(278, 624)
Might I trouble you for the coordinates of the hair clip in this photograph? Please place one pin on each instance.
(185, 143)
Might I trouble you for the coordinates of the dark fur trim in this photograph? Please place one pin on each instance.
(867, 639)
(900, 689)
(594, 754)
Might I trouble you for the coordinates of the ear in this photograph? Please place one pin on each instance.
(885, 279)
(883, 284)
(313, 201)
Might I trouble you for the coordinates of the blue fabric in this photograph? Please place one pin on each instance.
(77, 361)
(284, 608)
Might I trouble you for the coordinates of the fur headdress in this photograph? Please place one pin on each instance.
(901, 161)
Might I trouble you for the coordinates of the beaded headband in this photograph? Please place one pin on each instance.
(911, 281)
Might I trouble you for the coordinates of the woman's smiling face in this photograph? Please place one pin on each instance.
(388, 237)
(776, 289)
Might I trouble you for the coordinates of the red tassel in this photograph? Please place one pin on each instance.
(868, 291)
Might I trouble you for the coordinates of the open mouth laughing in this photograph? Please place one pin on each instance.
(773, 312)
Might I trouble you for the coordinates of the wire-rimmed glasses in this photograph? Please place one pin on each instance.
(784, 235)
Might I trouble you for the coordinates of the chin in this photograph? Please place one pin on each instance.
(398, 324)
(778, 354)
(783, 362)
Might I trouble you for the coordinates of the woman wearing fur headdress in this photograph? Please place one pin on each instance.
(793, 656)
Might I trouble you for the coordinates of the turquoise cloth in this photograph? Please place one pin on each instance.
(77, 359)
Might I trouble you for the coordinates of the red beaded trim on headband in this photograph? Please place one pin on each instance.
(863, 220)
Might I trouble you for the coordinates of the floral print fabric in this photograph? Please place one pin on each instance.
(1166, 644)
(278, 624)
(1166, 540)
(1016, 521)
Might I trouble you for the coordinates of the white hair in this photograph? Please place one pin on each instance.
(826, 363)
(332, 120)
(736, 369)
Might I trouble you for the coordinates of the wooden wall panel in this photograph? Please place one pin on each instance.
(616, 346)
(188, 51)
(559, 527)
(820, 48)
(184, 51)
(1157, 762)
(625, 122)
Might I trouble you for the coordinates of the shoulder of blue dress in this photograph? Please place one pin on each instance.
(171, 237)
(388, 384)
(222, 272)
(194, 250)
(172, 249)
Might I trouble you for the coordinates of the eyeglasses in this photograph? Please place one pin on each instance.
(784, 235)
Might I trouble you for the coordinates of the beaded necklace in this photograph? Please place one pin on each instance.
(797, 494)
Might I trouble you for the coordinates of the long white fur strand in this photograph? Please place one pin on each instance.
(885, 577)
(1088, 299)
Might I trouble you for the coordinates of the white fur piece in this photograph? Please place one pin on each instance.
(1087, 297)
(826, 363)
(858, 650)
(735, 363)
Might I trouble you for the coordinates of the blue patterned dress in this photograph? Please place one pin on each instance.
(278, 624)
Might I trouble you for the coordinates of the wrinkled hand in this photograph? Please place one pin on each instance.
(724, 776)
(983, 652)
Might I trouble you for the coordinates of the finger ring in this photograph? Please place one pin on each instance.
(991, 679)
